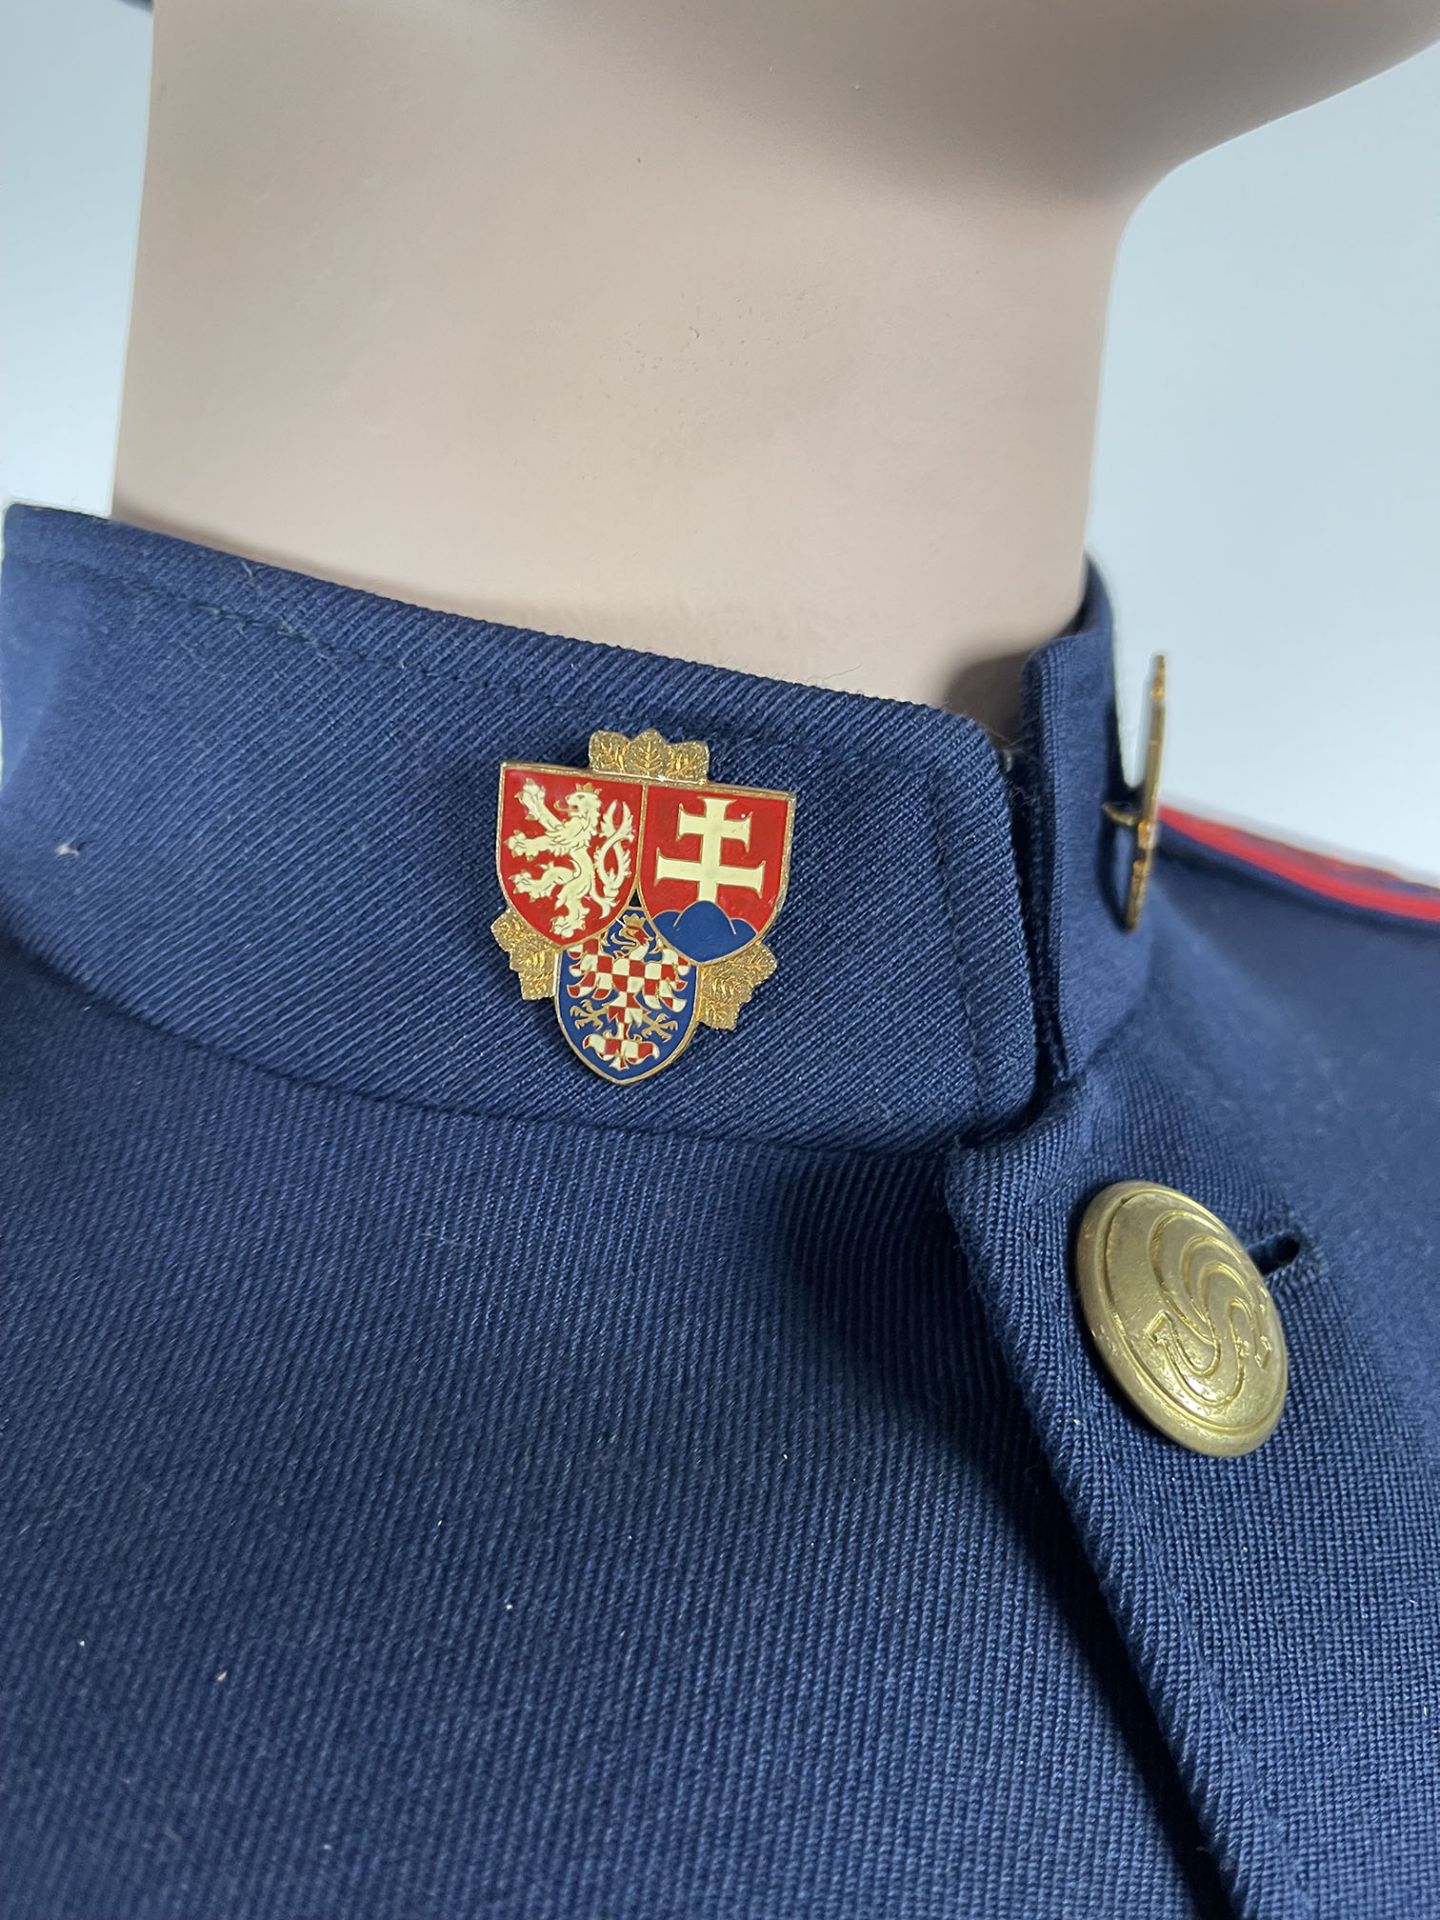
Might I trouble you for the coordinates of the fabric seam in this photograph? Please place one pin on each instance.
(962, 972)
(1144, 1515)
(500, 680)
(1179, 850)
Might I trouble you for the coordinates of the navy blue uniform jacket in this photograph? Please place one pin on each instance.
(437, 1483)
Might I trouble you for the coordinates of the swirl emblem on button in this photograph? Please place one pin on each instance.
(1182, 1318)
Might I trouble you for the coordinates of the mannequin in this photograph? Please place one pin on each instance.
(755, 335)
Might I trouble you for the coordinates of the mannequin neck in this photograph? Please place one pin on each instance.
(474, 313)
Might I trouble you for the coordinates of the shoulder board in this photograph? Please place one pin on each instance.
(1320, 876)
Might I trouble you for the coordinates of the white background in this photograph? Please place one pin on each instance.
(1267, 506)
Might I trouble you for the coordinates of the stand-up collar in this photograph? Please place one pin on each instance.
(257, 809)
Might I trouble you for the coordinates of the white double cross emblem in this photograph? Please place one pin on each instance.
(709, 871)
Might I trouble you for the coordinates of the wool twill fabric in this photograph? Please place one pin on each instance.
(438, 1483)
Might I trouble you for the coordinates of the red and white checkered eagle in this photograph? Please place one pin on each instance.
(638, 987)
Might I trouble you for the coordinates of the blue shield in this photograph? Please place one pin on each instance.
(626, 999)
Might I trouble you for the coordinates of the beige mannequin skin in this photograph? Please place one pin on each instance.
(766, 333)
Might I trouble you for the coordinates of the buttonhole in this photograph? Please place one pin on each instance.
(1276, 1252)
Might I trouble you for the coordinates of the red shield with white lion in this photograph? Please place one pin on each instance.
(566, 847)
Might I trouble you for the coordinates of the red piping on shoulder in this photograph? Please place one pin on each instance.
(1371, 888)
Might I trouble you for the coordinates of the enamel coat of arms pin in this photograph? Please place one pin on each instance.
(638, 895)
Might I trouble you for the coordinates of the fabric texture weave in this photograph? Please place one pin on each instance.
(438, 1483)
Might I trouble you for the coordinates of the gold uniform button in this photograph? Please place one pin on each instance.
(1182, 1318)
